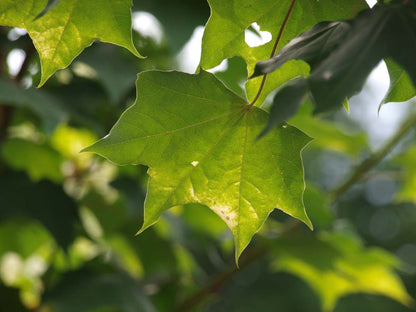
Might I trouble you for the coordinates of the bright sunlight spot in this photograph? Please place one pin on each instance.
(254, 37)
(148, 26)
(15, 60)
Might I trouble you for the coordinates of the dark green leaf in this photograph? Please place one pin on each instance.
(312, 46)
(357, 47)
(43, 201)
(47, 107)
(286, 103)
(86, 291)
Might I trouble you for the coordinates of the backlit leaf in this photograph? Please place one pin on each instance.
(69, 27)
(224, 35)
(342, 55)
(401, 87)
(199, 140)
(335, 265)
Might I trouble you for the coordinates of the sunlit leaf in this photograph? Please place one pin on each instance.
(401, 87)
(199, 140)
(335, 265)
(43, 163)
(69, 27)
(224, 35)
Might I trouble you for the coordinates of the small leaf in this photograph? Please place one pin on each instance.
(199, 140)
(401, 87)
(69, 27)
(43, 163)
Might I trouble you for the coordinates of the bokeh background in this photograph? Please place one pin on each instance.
(68, 219)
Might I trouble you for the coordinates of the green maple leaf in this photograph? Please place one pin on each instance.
(200, 141)
(224, 35)
(69, 27)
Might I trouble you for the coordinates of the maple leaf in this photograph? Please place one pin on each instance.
(342, 55)
(69, 27)
(224, 34)
(199, 140)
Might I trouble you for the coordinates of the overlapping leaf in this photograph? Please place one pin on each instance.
(225, 30)
(199, 140)
(43, 201)
(47, 107)
(69, 27)
(336, 264)
(401, 87)
(342, 54)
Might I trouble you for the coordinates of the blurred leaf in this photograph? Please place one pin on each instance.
(10, 300)
(88, 290)
(336, 265)
(43, 163)
(43, 201)
(212, 225)
(211, 133)
(224, 33)
(103, 59)
(408, 187)
(401, 87)
(69, 27)
(170, 13)
(87, 104)
(69, 142)
(342, 55)
(256, 288)
(47, 107)
(234, 76)
(327, 134)
(24, 237)
(318, 207)
(286, 103)
(312, 46)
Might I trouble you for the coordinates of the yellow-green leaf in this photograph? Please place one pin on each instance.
(224, 35)
(199, 140)
(335, 265)
(69, 27)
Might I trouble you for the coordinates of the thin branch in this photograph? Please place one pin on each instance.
(354, 10)
(374, 159)
(219, 281)
(276, 42)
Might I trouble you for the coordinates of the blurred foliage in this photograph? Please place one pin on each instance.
(68, 220)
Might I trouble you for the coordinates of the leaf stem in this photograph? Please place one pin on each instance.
(276, 42)
(361, 170)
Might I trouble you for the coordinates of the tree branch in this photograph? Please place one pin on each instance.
(369, 163)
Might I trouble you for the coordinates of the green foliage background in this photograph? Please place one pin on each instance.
(68, 219)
